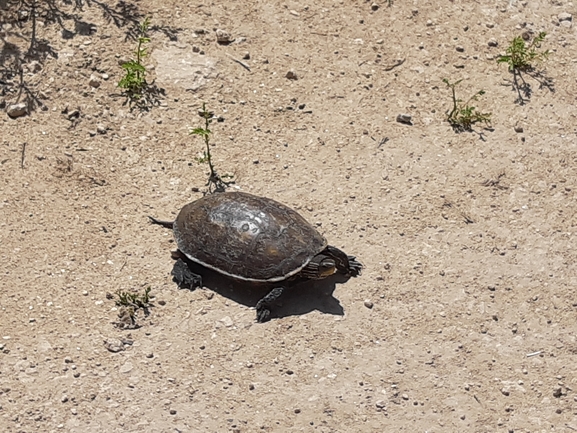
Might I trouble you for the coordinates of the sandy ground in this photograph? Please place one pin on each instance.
(464, 319)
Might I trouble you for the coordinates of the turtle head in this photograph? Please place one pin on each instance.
(319, 267)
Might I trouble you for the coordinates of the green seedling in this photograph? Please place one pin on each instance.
(215, 183)
(521, 56)
(130, 303)
(134, 81)
(132, 299)
(463, 115)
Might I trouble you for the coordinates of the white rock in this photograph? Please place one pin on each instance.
(223, 37)
(564, 16)
(126, 367)
(227, 321)
(17, 110)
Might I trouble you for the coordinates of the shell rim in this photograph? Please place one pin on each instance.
(255, 280)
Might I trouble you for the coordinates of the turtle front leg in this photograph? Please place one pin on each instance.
(184, 277)
(263, 306)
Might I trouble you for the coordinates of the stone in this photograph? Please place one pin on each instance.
(368, 303)
(94, 81)
(405, 118)
(113, 345)
(564, 16)
(492, 42)
(223, 37)
(292, 75)
(227, 321)
(17, 110)
(126, 367)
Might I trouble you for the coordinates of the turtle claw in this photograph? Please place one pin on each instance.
(183, 277)
(262, 313)
(355, 266)
(263, 306)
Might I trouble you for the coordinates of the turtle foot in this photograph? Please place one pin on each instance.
(355, 266)
(184, 277)
(263, 306)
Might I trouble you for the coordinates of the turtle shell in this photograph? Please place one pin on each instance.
(246, 237)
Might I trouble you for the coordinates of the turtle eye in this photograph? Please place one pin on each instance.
(327, 267)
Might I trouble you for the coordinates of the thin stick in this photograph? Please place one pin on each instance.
(23, 155)
(534, 354)
(244, 65)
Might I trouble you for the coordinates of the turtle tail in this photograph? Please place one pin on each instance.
(166, 224)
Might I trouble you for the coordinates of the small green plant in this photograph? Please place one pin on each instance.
(133, 299)
(463, 115)
(130, 303)
(134, 81)
(521, 56)
(215, 183)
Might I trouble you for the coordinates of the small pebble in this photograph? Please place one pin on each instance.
(223, 37)
(368, 304)
(101, 129)
(74, 411)
(292, 75)
(374, 7)
(297, 411)
(172, 412)
(405, 397)
(94, 81)
(17, 110)
(518, 129)
(505, 392)
(492, 42)
(381, 404)
(459, 48)
(405, 118)
(64, 399)
(564, 16)
(227, 321)
(246, 56)
(113, 345)
(251, 387)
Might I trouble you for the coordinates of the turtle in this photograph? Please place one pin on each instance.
(252, 239)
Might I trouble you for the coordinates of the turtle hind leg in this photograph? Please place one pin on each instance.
(184, 277)
(263, 306)
(346, 265)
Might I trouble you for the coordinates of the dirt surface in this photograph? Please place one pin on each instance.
(464, 319)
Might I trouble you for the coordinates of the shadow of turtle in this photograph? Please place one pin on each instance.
(299, 297)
